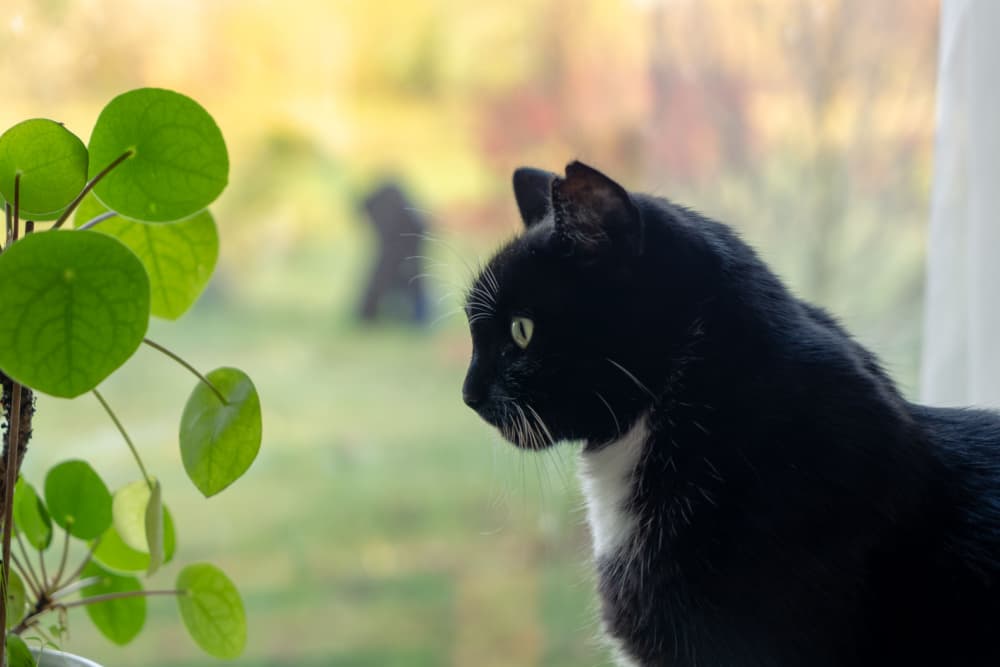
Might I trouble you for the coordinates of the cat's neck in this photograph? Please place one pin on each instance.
(607, 477)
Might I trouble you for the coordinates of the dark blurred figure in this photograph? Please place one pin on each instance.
(396, 286)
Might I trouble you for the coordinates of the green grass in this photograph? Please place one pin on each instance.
(382, 524)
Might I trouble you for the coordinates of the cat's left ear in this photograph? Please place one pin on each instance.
(533, 192)
(593, 214)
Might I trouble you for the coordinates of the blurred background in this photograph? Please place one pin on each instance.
(383, 524)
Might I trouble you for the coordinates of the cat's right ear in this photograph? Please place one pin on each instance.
(533, 192)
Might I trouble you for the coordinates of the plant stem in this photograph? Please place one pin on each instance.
(90, 186)
(27, 622)
(17, 204)
(86, 559)
(157, 346)
(46, 604)
(73, 587)
(41, 565)
(31, 621)
(13, 431)
(118, 596)
(41, 605)
(57, 580)
(9, 214)
(96, 221)
(27, 560)
(128, 440)
(24, 575)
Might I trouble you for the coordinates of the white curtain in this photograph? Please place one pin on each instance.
(961, 351)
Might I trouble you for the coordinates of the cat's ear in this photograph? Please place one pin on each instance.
(594, 215)
(533, 192)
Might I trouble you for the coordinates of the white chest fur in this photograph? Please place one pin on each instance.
(606, 477)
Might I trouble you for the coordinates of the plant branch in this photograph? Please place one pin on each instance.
(25, 577)
(128, 440)
(93, 222)
(10, 478)
(41, 605)
(73, 587)
(30, 619)
(27, 560)
(46, 604)
(86, 559)
(90, 186)
(118, 596)
(157, 346)
(57, 580)
(41, 565)
(17, 204)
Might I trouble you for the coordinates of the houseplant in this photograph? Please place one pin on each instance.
(74, 306)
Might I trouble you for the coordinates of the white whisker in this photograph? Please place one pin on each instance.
(632, 377)
(618, 426)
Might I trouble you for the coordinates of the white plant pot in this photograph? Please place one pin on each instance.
(51, 658)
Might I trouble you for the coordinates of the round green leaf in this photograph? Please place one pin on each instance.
(220, 441)
(179, 257)
(17, 597)
(115, 555)
(128, 514)
(52, 163)
(78, 499)
(179, 163)
(18, 653)
(212, 610)
(30, 516)
(75, 305)
(121, 619)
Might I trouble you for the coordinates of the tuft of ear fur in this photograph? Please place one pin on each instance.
(533, 192)
(594, 214)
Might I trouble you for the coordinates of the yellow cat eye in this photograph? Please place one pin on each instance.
(520, 331)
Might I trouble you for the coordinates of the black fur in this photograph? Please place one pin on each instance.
(794, 508)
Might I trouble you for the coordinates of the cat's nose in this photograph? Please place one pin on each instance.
(473, 389)
(472, 397)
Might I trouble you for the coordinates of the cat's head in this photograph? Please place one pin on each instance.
(570, 340)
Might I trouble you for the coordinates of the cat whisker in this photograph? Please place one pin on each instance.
(618, 426)
(548, 441)
(486, 296)
(541, 424)
(438, 272)
(430, 238)
(522, 430)
(632, 377)
(440, 318)
(715, 474)
(444, 297)
(483, 288)
(527, 434)
(477, 312)
(476, 301)
(477, 298)
(491, 279)
(426, 275)
(529, 439)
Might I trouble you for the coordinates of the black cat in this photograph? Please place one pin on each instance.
(759, 492)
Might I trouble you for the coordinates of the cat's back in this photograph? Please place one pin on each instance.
(954, 562)
(967, 444)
